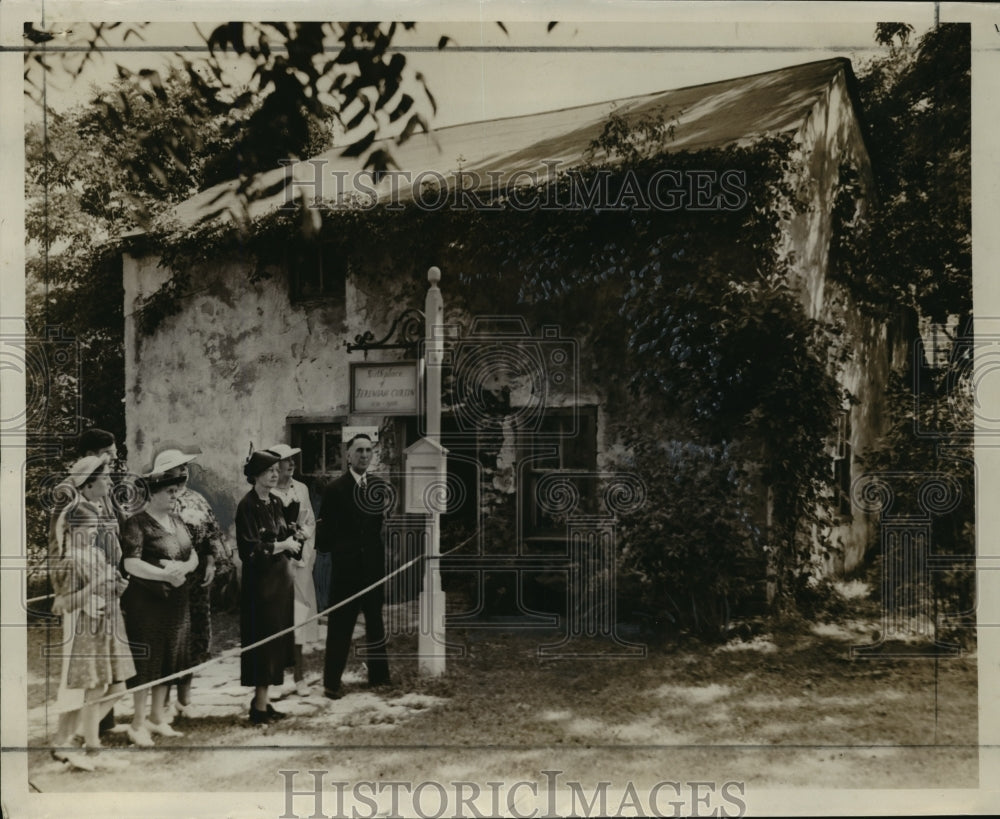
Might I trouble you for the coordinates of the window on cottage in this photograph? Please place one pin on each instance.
(561, 461)
(843, 462)
(322, 457)
(322, 449)
(315, 271)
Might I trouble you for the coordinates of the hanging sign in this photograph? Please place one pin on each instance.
(384, 388)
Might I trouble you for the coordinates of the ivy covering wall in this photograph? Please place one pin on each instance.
(713, 379)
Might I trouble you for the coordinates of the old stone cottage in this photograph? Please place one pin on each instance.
(255, 349)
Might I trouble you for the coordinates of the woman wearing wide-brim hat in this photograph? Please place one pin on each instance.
(214, 556)
(266, 545)
(160, 559)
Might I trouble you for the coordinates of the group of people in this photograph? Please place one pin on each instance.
(134, 592)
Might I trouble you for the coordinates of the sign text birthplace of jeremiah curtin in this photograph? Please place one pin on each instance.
(384, 389)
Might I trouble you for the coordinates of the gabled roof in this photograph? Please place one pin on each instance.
(713, 115)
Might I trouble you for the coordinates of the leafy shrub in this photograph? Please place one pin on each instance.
(693, 546)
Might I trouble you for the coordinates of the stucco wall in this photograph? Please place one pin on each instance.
(241, 360)
(830, 137)
(230, 368)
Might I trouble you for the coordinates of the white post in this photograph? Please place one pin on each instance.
(431, 641)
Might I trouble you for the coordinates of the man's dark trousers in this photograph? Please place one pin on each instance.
(340, 628)
(351, 530)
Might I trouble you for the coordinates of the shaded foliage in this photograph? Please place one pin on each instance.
(913, 246)
(304, 74)
(928, 452)
(102, 169)
(693, 547)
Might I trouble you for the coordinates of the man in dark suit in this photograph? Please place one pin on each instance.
(350, 529)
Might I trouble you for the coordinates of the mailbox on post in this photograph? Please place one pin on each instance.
(426, 475)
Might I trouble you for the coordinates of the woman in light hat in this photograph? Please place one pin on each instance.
(213, 557)
(266, 546)
(294, 497)
(160, 560)
(96, 657)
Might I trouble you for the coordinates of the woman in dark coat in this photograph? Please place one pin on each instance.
(267, 593)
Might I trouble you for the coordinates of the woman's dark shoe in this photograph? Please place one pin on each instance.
(258, 717)
(273, 715)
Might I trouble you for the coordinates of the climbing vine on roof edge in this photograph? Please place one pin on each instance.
(687, 319)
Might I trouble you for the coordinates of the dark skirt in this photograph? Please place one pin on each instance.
(267, 600)
(159, 631)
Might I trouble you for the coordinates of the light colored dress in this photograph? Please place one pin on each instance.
(302, 569)
(95, 649)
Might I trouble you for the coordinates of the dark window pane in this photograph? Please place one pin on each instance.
(543, 519)
(588, 495)
(333, 447)
(305, 270)
(580, 450)
(334, 273)
(311, 442)
(545, 454)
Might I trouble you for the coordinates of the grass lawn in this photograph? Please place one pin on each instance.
(787, 709)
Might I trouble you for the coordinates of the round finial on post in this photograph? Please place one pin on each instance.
(434, 275)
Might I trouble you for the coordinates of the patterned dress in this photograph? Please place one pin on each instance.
(266, 591)
(67, 497)
(296, 497)
(208, 541)
(157, 614)
(95, 652)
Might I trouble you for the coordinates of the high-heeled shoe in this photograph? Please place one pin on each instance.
(187, 711)
(257, 717)
(104, 761)
(139, 736)
(164, 729)
(273, 715)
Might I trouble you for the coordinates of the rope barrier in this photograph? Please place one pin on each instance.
(236, 652)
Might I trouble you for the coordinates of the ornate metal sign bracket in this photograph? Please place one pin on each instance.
(408, 328)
